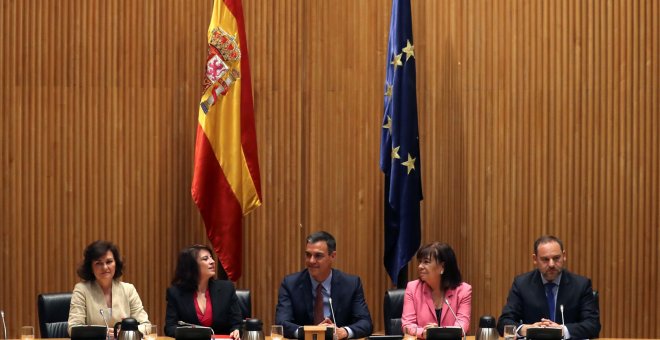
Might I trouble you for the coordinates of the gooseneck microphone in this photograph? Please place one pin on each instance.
(455, 317)
(561, 308)
(192, 325)
(332, 312)
(107, 336)
(4, 325)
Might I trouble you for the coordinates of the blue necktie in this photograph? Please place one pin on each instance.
(550, 295)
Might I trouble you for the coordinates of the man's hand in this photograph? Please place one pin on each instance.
(523, 330)
(342, 333)
(235, 334)
(544, 323)
(549, 323)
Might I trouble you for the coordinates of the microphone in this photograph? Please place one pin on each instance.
(332, 313)
(4, 325)
(107, 336)
(455, 317)
(561, 308)
(191, 325)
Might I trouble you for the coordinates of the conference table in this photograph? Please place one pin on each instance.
(469, 337)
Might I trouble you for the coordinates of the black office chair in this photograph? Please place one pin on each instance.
(54, 314)
(245, 302)
(595, 292)
(392, 310)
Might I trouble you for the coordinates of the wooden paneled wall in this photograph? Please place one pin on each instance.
(535, 117)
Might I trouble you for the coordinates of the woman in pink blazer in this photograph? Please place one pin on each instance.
(439, 284)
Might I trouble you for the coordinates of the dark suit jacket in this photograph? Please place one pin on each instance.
(226, 311)
(295, 305)
(527, 302)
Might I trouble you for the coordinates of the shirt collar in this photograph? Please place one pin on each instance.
(325, 283)
(555, 281)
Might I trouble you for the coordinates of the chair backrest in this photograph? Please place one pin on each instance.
(245, 302)
(595, 292)
(54, 314)
(392, 310)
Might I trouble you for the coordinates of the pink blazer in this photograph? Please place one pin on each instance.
(418, 308)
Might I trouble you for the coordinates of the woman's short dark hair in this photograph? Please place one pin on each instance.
(93, 252)
(186, 274)
(442, 253)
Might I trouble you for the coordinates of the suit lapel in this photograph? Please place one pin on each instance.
(188, 301)
(216, 294)
(561, 294)
(117, 309)
(335, 293)
(428, 297)
(304, 285)
(451, 297)
(540, 292)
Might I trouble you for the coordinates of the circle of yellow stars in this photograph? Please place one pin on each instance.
(409, 51)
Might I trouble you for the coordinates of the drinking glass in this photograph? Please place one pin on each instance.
(150, 332)
(510, 332)
(410, 332)
(276, 332)
(27, 333)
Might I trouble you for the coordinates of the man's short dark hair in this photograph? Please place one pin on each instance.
(325, 237)
(547, 239)
(95, 251)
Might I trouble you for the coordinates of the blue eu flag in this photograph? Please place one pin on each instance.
(399, 148)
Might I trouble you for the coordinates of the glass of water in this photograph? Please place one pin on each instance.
(410, 332)
(27, 333)
(150, 332)
(510, 332)
(276, 332)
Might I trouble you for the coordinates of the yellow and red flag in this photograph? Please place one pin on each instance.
(226, 183)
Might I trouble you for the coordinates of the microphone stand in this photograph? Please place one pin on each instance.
(4, 324)
(107, 336)
(456, 317)
(332, 313)
(185, 324)
(561, 308)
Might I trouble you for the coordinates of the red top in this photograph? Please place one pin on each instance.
(206, 318)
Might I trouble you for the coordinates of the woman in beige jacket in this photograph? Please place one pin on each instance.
(101, 297)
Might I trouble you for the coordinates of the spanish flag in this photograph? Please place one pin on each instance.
(226, 184)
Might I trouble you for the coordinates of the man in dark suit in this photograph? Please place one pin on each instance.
(536, 298)
(304, 297)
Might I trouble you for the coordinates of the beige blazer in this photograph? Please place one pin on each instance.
(87, 300)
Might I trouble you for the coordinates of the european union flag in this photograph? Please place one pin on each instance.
(399, 148)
